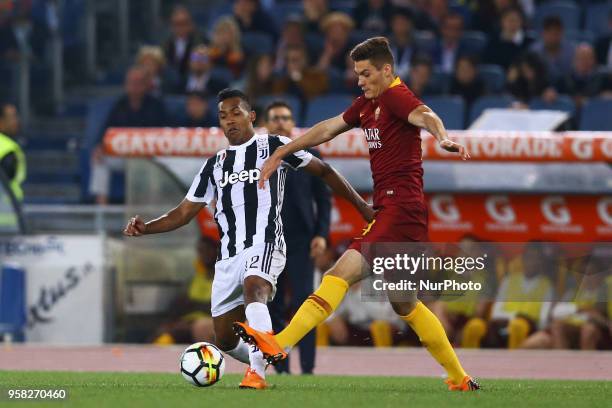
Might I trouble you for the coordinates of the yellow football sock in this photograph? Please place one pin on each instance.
(518, 330)
(431, 333)
(314, 310)
(473, 332)
(382, 333)
(322, 339)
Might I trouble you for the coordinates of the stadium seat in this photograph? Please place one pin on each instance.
(255, 43)
(358, 36)
(291, 100)
(326, 106)
(486, 102)
(425, 41)
(450, 108)
(567, 11)
(315, 42)
(595, 115)
(473, 42)
(562, 103)
(441, 79)
(493, 76)
(596, 19)
(12, 301)
(222, 74)
(281, 11)
(578, 36)
(175, 107)
(345, 6)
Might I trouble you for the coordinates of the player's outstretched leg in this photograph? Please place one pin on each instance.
(313, 311)
(432, 335)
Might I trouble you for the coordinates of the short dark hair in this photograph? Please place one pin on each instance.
(276, 104)
(233, 93)
(375, 49)
(553, 22)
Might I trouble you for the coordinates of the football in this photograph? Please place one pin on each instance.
(202, 364)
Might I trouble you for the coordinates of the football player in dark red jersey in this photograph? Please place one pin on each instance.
(391, 117)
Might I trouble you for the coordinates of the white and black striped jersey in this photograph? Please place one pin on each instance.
(245, 214)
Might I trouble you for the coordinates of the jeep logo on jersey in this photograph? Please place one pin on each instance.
(249, 176)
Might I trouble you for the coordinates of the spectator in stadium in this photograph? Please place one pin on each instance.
(522, 303)
(420, 77)
(152, 59)
(337, 27)
(306, 218)
(225, 48)
(466, 82)
(260, 76)
(250, 16)
(557, 52)
(299, 78)
(435, 10)
(504, 48)
(183, 40)
(197, 111)
(200, 77)
(12, 158)
(292, 35)
(373, 15)
(401, 40)
(527, 78)
(583, 82)
(603, 46)
(9, 49)
(135, 108)
(189, 319)
(486, 14)
(582, 318)
(449, 47)
(315, 11)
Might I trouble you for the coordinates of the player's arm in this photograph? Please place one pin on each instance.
(422, 116)
(173, 219)
(318, 134)
(339, 186)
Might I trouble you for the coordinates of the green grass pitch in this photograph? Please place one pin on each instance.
(172, 391)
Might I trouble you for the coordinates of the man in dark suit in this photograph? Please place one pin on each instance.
(183, 40)
(306, 216)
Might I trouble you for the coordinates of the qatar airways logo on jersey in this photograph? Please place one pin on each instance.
(249, 176)
(372, 137)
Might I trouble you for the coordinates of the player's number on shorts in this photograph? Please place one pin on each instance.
(253, 262)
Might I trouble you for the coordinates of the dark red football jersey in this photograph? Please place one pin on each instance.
(394, 143)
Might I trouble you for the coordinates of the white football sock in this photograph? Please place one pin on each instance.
(240, 352)
(259, 318)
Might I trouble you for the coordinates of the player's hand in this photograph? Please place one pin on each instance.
(135, 227)
(368, 213)
(317, 246)
(455, 147)
(268, 168)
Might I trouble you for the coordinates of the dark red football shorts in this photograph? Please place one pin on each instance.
(395, 222)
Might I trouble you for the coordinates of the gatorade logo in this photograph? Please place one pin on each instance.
(604, 210)
(555, 210)
(499, 209)
(445, 209)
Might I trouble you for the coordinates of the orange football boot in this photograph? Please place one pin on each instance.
(272, 351)
(467, 384)
(253, 381)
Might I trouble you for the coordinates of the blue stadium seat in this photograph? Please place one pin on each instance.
(493, 76)
(596, 19)
(595, 115)
(325, 107)
(281, 11)
(346, 6)
(578, 36)
(12, 301)
(450, 108)
(175, 107)
(425, 41)
(567, 11)
(358, 36)
(291, 100)
(563, 103)
(442, 79)
(255, 43)
(474, 42)
(222, 74)
(315, 42)
(486, 102)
